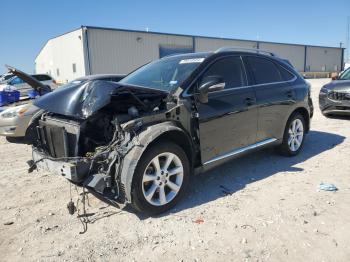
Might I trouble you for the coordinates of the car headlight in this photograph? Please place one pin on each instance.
(324, 90)
(13, 112)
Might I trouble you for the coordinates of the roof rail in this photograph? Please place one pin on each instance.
(252, 50)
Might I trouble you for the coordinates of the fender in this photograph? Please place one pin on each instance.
(141, 142)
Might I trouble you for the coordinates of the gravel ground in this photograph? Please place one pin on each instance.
(274, 211)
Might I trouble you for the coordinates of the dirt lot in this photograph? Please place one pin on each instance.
(275, 211)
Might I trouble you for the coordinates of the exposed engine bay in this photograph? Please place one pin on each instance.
(89, 149)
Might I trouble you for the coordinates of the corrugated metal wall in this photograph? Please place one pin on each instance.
(99, 50)
(294, 53)
(58, 56)
(114, 51)
(204, 44)
(322, 59)
(119, 51)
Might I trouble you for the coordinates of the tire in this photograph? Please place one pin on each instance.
(293, 141)
(152, 181)
(31, 136)
(326, 115)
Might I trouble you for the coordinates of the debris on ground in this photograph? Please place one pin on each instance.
(327, 187)
(8, 223)
(199, 221)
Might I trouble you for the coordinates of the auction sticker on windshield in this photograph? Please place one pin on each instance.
(192, 60)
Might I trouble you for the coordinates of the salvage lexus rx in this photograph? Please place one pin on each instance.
(139, 141)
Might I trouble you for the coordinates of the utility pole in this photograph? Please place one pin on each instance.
(347, 46)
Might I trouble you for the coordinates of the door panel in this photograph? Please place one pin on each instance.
(274, 103)
(227, 122)
(274, 95)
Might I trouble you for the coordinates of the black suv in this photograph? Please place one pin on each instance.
(139, 141)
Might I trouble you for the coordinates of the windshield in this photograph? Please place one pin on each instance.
(345, 75)
(164, 74)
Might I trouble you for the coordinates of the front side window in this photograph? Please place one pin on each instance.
(264, 71)
(164, 74)
(230, 69)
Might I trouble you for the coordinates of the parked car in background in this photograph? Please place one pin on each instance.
(334, 97)
(15, 120)
(23, 82)
(138, 141)
(5, 77)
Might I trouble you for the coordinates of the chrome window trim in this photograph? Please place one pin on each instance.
(240, 150)
(186, 94)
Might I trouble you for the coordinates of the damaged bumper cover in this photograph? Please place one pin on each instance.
(73, 170)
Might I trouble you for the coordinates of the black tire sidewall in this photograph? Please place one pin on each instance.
(285, 147)
(138, 200)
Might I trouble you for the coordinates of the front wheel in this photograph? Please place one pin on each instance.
(294, 134)
(160, 179)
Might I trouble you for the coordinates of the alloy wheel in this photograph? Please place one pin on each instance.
(162, 179)
(296, 134)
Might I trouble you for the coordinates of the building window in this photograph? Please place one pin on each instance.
(57, 72)
(74, 68)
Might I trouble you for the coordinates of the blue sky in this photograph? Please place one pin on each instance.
(27, 25)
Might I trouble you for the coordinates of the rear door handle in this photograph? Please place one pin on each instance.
(289, 93)
(249, 101)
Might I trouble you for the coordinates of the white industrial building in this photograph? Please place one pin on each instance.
(94, 50)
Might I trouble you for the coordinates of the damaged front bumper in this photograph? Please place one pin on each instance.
(73, 170)
(77, 171)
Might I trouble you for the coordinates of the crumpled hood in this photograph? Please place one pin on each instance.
(338, 85)
(82, 100)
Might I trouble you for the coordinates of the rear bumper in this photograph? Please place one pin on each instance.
(74, 170)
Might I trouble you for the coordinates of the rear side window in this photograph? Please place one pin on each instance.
(264, 71)
(230, 69)
(42, 77)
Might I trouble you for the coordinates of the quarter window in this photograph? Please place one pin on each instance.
(230, 69)
(286, 75)
(264, 71)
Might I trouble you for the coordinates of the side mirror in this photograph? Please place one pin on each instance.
(209, 84)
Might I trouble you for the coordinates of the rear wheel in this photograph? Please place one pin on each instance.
(160, 179)
(294, 134)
